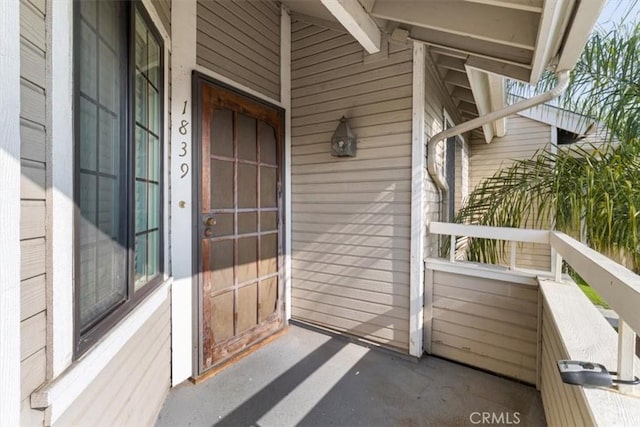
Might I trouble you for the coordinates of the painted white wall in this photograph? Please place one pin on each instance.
(60, 192)
(416, 287)
(183, 61)
(9, 215)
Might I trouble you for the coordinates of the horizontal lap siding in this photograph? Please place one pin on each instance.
(351, 216)
(241, 41)
(564, 405)
(486, 323)
(131, 389)
(33, 314)
(523, 139)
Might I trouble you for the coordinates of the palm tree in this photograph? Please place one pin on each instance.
(591, 192)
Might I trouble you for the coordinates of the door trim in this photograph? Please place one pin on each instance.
(199, 78)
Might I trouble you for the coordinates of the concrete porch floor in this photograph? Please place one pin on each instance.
(309, 378)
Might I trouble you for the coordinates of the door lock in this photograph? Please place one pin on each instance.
(209, 221)
(208, 232)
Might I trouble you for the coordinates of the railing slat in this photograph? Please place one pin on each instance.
(626, 354)
(452, 250)
(500, 233)
(512, 259)
(556, 265)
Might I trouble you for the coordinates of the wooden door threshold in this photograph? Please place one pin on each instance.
(234, 359)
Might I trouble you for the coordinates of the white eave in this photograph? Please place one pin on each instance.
(563, 31)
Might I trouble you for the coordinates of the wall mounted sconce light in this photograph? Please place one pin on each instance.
(343, 142)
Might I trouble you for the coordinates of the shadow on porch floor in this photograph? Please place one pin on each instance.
(308, 378)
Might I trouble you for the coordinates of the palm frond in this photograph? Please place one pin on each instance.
(592, 188)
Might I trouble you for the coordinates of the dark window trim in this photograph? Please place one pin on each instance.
(84, 341)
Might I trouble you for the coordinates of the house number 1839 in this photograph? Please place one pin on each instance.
(183, 129)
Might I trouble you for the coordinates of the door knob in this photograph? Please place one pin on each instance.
(210, 221)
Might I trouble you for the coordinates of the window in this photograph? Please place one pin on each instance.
(450, 173)
(118, 80)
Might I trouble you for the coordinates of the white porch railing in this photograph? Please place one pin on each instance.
(511, 235)
(619, 286)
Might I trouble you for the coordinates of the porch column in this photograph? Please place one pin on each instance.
(416, 275)
(285, 99)
(183, 61)
(10, 212)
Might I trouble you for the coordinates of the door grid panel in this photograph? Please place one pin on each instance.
(240, 238)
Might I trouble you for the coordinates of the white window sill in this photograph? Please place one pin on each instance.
(59, 394)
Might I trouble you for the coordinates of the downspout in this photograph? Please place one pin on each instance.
(432, 165)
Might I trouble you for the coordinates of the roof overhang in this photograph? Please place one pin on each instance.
(516, 39)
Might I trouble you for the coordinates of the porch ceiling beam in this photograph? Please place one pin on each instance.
(448, 52)
(450, 63)
(528, 5)
(480, 87)
(469, 108)
(464, 45)
(497, 100)
(463, 94)
(506, 26)
(512, 71)
(457, 79)
(356, 21)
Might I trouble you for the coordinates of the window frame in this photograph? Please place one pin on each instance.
(108, 320)
(450, 166)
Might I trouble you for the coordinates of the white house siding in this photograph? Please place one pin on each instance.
(524, 137)
(241, 41)
(130, 390)
(351, 216)
(486, 323)
(33, 314)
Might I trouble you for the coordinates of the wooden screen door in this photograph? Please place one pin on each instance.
(239, 224)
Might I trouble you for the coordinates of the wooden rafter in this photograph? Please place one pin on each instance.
(504, 26)
(457, 79)
(357, 22)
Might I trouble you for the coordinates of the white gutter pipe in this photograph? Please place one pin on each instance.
(432, 164)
